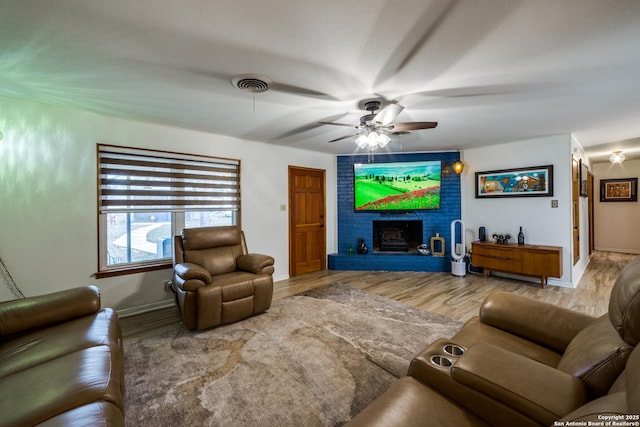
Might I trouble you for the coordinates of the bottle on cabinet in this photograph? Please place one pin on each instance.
(521, 237)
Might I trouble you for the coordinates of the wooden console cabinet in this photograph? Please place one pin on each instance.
(526, 260)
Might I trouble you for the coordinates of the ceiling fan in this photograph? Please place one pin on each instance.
(374, 128)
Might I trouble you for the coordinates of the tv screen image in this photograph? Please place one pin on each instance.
(400, 186)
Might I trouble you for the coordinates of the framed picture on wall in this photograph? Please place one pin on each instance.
(584, 179)
(619, 190)
(519, 182)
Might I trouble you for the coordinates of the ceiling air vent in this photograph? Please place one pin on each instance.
(251, 83)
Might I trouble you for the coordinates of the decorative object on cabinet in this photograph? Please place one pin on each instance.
(526, 260)
(501, 239)
(535, 181)
(584, 176)
(482, 234)
(437, 245)
(423, 249)
(619, 190)
(362, 247)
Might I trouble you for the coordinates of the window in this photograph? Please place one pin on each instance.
(145, 197)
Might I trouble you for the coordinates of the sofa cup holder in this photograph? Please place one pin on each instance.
(453, 349)
(441, 361)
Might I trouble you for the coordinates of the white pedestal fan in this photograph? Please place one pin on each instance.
(458, 265)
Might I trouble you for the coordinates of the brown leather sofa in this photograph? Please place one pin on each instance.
(216, 280)
(61, 361)
(522, 362)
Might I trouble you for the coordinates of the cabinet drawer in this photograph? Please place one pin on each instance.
(498, 260)
(543, 263)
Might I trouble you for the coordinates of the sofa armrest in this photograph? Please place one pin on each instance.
(537, 321)
(534, 389)
(256, 263)
(43, 310)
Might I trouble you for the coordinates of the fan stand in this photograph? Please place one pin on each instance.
(8, 280)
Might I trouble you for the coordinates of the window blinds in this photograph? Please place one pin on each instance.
(135, 180)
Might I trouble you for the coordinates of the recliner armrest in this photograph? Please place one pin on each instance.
(534, 389)
(541, 322)
(44, 310)
(189, 271)
(255, 263)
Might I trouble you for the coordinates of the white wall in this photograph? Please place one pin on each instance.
(541, 223)
(616, 224)
(48, 220)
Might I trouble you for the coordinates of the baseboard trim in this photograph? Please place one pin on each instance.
(132, 311)
(550, 281)
(622, 251)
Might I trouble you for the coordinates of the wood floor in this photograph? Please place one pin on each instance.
(443, 293)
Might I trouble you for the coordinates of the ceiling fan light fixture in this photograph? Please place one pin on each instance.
(383, 140)
(373, 129)
(372, 139)
(617, 157)
(362, 141)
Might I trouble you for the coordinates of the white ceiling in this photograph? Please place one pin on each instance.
(488, 71)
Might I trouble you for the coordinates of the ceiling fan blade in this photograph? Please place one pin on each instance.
(409, 126)
(307, 127)
(388, 114)
(297, 90)
(341, 138)
(338, 124)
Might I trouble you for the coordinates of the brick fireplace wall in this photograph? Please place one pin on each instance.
(354, 225)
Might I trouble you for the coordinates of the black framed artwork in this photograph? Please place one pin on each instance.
(584, 179)
(517, 182)
(619, 190)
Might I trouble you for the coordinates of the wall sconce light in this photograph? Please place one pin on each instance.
(616, 157)
(458, 166)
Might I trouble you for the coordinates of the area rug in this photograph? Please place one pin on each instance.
(314, 359)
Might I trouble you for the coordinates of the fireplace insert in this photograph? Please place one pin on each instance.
(397, 236)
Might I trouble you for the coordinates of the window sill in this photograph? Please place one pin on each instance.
(133, 269)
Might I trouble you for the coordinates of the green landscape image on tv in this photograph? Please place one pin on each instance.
(400, 186)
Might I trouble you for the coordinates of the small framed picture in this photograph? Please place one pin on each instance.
(619, 190)
(584, 179)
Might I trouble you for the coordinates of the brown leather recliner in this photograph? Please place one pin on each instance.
(527, 363)
(216, 280)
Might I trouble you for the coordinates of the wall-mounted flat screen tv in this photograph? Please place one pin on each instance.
(400, 186)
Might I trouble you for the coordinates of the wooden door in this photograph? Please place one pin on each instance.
(575, 190)
(307, 235)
